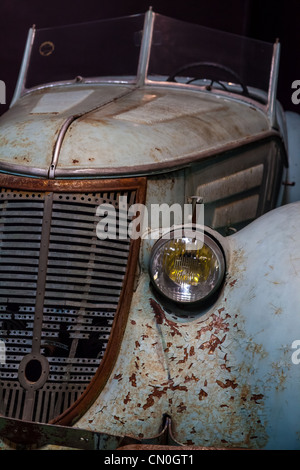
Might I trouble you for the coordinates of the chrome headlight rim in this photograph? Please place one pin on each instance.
(214, 244)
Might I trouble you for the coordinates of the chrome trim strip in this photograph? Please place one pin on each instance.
(86, 81)
(24, 67)
(126, 172)
(167, 166)
(219, 93)
(58, 145)
(22, 170)
(65, 127)
(273, 84)
(145, 48)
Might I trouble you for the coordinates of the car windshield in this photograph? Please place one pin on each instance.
(174, 50)
(94, 49)
(181, 49)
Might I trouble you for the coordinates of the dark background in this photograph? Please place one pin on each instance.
(265, 20)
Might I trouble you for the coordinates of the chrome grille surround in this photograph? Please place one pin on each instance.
(60, 289)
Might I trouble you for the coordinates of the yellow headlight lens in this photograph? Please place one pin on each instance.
(186, 270)
(186, 264)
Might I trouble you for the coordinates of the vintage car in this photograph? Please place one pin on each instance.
(150, 251)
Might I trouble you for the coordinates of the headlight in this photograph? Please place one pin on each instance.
(186, 269)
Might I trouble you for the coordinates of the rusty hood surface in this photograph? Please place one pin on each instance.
(118, 129)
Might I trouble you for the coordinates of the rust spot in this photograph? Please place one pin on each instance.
(224, 367)
(212, 344)
(256, 397)
(277, 310)
(118, 377)
(217, 324)
(181, 407)
(228, 383)
(182, 361)
(127, 399)
(149, 402)
(189, 378)
(202, 394)
(156, 393)
(133, 322)
(118, 419)
(132, 379)
(75, 161)
(137, 344)
(232, 283)
(203, 330)
(160, 317)
(178, 387)
(158, 311)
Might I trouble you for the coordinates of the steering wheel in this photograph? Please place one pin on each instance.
(229, 75)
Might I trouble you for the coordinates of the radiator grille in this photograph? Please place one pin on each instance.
(60, 287)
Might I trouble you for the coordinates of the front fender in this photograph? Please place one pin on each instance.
(225, 377)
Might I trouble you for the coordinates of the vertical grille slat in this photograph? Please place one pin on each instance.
(60, 288)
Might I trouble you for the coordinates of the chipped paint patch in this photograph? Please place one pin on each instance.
(187, 371)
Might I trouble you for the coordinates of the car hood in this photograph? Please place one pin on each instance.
(119, 129)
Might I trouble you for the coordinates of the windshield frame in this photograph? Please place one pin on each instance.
(266, 99)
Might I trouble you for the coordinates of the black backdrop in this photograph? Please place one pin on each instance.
(260, 19)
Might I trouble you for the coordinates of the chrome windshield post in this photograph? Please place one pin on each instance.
(273, 83)
(23, 71)
(145, 47)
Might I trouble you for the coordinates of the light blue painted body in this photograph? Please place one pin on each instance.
(226, 376)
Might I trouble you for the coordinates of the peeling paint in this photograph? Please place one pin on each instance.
(214, 375)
